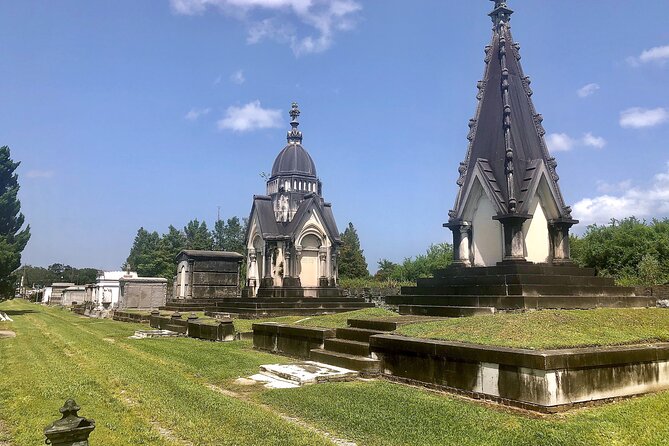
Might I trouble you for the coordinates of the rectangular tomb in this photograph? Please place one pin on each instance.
(545, 380)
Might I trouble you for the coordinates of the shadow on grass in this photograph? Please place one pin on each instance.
(17, 312)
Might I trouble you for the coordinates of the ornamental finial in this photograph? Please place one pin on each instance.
(501, 13)
(294, 135)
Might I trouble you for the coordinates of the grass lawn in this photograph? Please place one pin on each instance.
(551, 329)
(161, 392)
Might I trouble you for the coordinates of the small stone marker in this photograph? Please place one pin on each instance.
(192, 317)
(5, 318)
(71, 429)
(176, 315)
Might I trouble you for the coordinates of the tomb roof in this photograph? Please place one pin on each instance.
(507, 150)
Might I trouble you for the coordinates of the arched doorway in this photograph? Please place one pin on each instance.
(309, 261)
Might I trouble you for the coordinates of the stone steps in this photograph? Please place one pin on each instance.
(528, 268)
(520, 290)
(516, 279)
(271, 312)
(345, 360)
(356, 334)
(347, 346)
(444, 311)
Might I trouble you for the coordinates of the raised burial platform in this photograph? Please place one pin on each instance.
(539, 380)
(514, 286)
(256, 307)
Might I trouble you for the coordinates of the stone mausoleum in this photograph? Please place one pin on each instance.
(292, 238)
(510, 222)
(207, 274)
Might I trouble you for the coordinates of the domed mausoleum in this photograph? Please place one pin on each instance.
(292, 239)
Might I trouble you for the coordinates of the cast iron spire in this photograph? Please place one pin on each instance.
(506, 138)
(294, 135)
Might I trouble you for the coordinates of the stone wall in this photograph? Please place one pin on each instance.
(289, 340)
(661, 292)
(224, 330)
(548, 381)
(142, 293)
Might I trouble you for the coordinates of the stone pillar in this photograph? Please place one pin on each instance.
(267, 281)
(461, 240)
(191, 275)
(334, 280)
(559, 240)
(287, 270)
(323, 257)
(514, 238)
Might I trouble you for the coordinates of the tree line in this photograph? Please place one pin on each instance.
(632, 251)
(153, 254)
(37, 276)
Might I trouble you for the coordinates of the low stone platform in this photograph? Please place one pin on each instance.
(463, 291)
(257, 307)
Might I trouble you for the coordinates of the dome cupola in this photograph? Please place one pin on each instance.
(294, 159)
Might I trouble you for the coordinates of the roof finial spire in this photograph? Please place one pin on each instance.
(294, 135)
(501, 13)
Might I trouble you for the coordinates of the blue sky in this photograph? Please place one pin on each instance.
(128, 114)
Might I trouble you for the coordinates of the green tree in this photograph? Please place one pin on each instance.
(386, 270)
(198, 236)
(352, 263)
(13, 239)
(230, 235)
(170, 245)
(630, 250)
(436, 257)
(145, 254)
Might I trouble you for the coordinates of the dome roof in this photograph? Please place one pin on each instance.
(294, 159)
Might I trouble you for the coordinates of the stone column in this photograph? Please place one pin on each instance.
(559, 240)
(287, 267)
(514, 238)
(252, 272)
(191, 275)
(334, 268)
(461, 239)
(268, 262)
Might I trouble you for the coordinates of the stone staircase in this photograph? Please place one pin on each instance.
(350, 348)
(465, 291)
(257, 307)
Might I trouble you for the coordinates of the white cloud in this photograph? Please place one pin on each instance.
(238, 77)
(641, 202)
(608, 188)
(325, 17)
(195, 113)
(658, 55)
(587, 90)
(593, 141)
(39, 173)
(637, 117)
(249, 117)
(561, 142)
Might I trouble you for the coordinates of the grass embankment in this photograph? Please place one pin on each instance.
(385, 414)
(139, 391)
(551, 329)
(159, 392)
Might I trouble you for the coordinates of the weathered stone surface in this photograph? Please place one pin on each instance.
(544, 380)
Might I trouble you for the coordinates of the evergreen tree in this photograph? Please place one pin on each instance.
(13, 240)
(352, 263)
(170, 245)
(145, 254)
(230, 235)
(198, 236)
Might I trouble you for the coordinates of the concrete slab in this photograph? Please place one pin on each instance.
(152, 334)
(309, 372)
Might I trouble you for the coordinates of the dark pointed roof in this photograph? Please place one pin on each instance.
(273, 230)
(294, 159)
(506, 139)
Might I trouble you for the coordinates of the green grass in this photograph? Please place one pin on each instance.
(551, 329)
(131, 387)
(159, 392)
(386, 414)
(337, 320)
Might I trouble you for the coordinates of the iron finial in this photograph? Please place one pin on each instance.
(294, 135)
